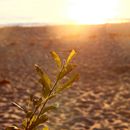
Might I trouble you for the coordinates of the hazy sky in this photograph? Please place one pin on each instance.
(50, 11)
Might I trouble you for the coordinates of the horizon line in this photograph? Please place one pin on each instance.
(110, 21)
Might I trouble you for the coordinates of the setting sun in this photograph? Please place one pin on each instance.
(92, 11)
(64, 11)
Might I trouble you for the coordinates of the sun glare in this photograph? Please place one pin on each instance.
(92, 11)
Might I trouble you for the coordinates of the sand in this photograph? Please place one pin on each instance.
(100, 100)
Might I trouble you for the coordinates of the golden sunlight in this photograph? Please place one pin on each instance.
(92, 11)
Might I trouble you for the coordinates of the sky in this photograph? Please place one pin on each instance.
(59, 11)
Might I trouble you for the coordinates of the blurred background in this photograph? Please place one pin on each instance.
(99, 31)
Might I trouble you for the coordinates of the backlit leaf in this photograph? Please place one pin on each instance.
(52, 96)
(39, 70)
(43, 76)
(44, 80)
(12, 128)
(33, 123)
(71, 55)
(66, 71)
(29, 113)
(56, 58)
(42, 119)
(24, 123)
(68, 83)
(52, 107)
(45, 128)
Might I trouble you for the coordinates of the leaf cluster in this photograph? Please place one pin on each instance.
(36, 112)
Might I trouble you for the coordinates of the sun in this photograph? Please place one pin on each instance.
(91, 11)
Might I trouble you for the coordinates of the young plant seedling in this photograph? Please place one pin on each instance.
(37, 112)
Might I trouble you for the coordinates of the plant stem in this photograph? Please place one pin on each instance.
(45, 102)
(49, 94)
(28, 123)
(47, 99)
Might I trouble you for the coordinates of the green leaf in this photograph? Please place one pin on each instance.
(66, 71)
(39, 70)
(28, 114)
(45, 128)
(44, 80)
(43, 76)
(24, 123)
(68, 83)
(12, 128)
(52, 107)
(33, 119)
(37, 121)
(51, 96)
(45, 91)
(33, 123)
(56, 58)
(43, 118)
(71, 80)
(71, 55)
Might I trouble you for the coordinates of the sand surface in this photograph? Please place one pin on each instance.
(100, 100)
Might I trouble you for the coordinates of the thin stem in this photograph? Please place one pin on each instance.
(47, 99)
(50, 94)
(45, 102)
(28, 123)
